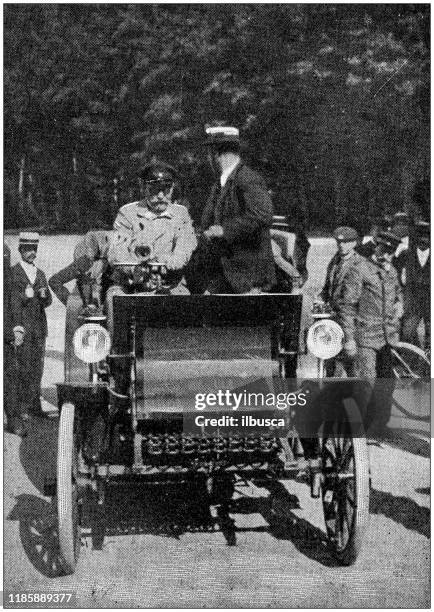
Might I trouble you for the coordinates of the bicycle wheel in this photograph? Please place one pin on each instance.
(411, 368)
(410, 362)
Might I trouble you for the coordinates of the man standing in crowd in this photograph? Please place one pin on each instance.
(370, 312)
(235, 254)
(336, 285)
(417, 285)
(12, 339)
(88, 267)
(30, 296)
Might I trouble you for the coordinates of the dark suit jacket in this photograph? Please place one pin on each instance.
(418, 281)
(76, 270)
(337, 274)
(243, 208)
(29, 312)
(8, 322)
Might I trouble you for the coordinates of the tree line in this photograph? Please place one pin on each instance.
(332, 102)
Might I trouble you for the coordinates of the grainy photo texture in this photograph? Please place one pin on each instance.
(216, 305)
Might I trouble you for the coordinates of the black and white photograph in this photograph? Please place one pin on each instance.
(216, 305)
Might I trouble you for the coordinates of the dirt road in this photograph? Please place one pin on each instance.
(157, 552)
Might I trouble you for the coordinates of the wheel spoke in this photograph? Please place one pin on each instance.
(351, 506)
(346, 456)
(330, 452)
(339, 526)
(339, 512)
(350, 496)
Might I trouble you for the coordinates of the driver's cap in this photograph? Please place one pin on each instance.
(158, 171)
(389, 241)
(345, 234)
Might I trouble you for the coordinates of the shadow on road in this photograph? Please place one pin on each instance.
(284, 524)
(38, 452)
(409, 441)
(167, 511)
(38, 533)
(173, 510)
(402, 510)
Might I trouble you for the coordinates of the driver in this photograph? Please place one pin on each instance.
(154, 229)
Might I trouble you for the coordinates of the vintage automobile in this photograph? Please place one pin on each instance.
(127, 404)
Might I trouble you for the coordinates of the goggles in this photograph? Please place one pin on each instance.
(156, 187)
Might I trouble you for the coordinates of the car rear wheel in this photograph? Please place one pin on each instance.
(345, 483)
(67, 490)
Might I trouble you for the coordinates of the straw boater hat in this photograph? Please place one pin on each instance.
(222, 134)
(28, 239)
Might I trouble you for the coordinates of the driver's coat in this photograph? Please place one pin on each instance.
(170, 235)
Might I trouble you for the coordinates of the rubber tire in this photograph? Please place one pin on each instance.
(67, 491)
(348, 555)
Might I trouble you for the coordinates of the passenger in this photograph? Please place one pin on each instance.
(338, 272)
(155, 229)
(88, 268)
(370, 312)
(290, 249)
(234, 253)
(30, 296)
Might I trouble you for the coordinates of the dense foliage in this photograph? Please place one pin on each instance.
(332, 101)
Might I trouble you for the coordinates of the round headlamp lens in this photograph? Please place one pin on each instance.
(325, 339)
(91, 343)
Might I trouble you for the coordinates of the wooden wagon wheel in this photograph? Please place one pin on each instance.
(345, 483)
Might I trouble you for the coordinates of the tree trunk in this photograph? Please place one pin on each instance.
(30, 209)
(21, 198)
(58, 207)
(115, 194)
(340, 203)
